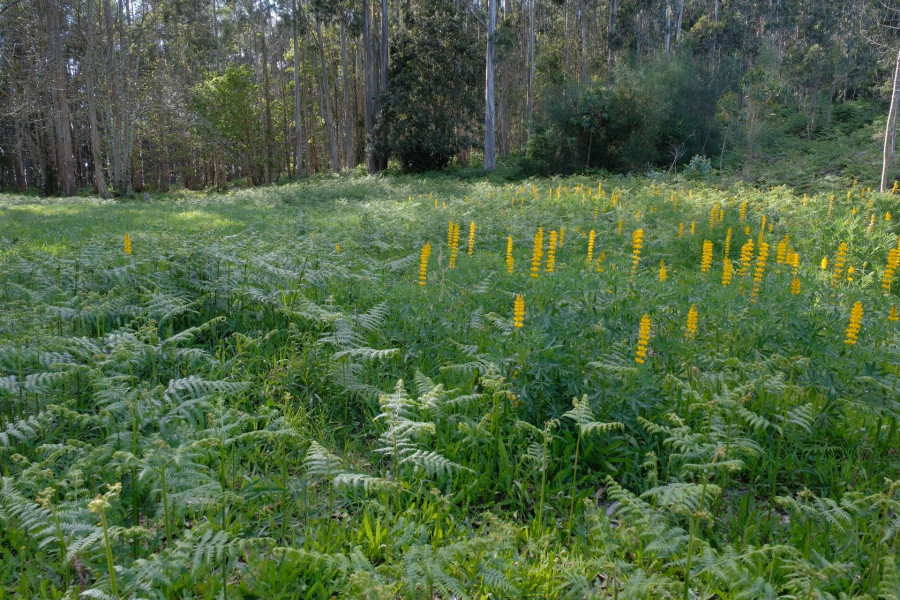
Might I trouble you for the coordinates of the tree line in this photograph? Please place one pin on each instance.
(121, 96)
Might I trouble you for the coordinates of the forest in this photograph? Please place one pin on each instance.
(449, 300)
(125, 96)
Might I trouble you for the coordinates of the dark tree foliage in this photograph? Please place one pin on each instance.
(435, 89)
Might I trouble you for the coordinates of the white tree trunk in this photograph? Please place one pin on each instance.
(887, 131)
(489, 160)
(298, 118)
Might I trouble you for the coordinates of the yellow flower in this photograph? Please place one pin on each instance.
(727, 251)
(127, 244)
(337, 248)
(743, 214)
(423, 262)
(562, 236)
(853, 327)
(662, 271)
(727, 271)
(781, 250)
(693, 227)
(824, 264)
(745, 258)
(519, 311)
(551, 252)
(471, 237)
(590, 249)
(706, 257)
(893, 261)
(537, 252)
(747, 230)
(894, 316)
(759, 271)
(640, 354)
(681, 229)
(839, 260)
(691, 324)
(509, 255)
(887, 216)
(850, 273)
(637, 242)
(600, 260)
(619, 228)
(795, 286)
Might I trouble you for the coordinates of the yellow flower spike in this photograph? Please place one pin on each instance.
(743, 213)
(893, 315)
(693, 227)
(337, 248)
(830, 205)
(662, 271)
(795, 286)
(853, 327)
(596, 212)
(551, 252)
(519, 312)
(896, 187)
(839, 260)
(804, 199)
(745, 258)
(850, 273)
(619, 228)
(681, 229)
(640, 353)
(509, 255)
(727, 251)
(537, 252)
(771, 227)
(471, 237)
(590, 247)
(453, 242)
(887, 216)
(600, 260)
(781, 250)
(423, 262)
(747, 230)
(824, 264)
(127, 243)
(691, 324)
(637, 242)
(762, 226)
(727, 271)
(562, 236)
(760, 271)
(713, 216)
(706, 257)
(893, 261)
(871, 225)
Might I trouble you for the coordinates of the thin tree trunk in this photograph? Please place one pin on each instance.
(348, 138)
(668, 27)
(529, 103)
(65, 159)
(326, 101)
(298, 117)
(887, 132)
(371, 85)
(611, 35)
(215, 24)
(99, 179)
(489, 161)
(385, 23)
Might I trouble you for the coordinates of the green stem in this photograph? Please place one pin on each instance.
(109, 556)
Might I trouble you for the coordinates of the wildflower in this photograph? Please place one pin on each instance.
(887, 216)
(662, 271)
(637, 242)
(759, 271)
(590, 248)
(619, 229)
(640, 354)
(537, 252)
(127, 244)
(423, 262)
(453, 242)
(727, 271)
(519, 311)
(551, 252)
(337, 248)
(713, 216)
(830, 205)
(706, 257)
(562, 236)
(894, 316)
(795, 286)
(856, 315)
(747, 230)
(824, 264)
(745, 258)
(681, 229)
(693, 227)
(509, 255)
(781, 250)
(596, 212)
(600, 260)
(896, 187)
(893, 261)
(691, 324)
(727, 251)
(743, 213)
(804, 199)
(871, 225)
(839, 260)
(471, 237)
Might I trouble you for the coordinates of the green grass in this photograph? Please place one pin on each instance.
(290, 414)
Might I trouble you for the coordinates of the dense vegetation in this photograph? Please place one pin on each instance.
(118, 97)
(686, 393)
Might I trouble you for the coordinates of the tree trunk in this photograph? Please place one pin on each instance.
(611, 35)
(371, 85)
(99, 179)
(65, 158)
(668, 27)
(383, 163)
(529, 100)
(325, 91)
(489, 160)
(298, 117)
(887, 131)
(348, 138)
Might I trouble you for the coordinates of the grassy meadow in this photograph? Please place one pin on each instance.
(384, 388)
